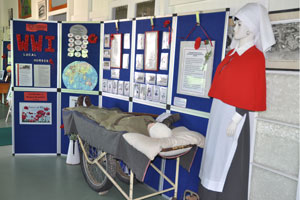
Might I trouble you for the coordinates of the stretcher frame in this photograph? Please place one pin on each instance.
(130, 195)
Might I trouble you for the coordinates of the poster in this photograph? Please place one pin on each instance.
(35, 113)
(151, 50)
(42, 75)
(23, 74)
(166, 40)
(139, 61)
(116, 51)
(195, 69)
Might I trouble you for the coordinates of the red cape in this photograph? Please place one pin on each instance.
(240, 81)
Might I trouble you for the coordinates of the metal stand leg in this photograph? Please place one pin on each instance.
(176, 178)
(131, 185)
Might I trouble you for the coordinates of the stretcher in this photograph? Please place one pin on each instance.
(100, 161)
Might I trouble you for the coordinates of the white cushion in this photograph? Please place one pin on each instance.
(160, 130)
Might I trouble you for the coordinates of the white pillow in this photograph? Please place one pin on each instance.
(160, 130)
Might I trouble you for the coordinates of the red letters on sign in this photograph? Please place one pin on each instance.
(49, 38)
(22, 45)
(36, 46)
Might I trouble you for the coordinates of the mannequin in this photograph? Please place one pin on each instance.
(239, 86)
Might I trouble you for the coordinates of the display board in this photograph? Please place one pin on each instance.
(80, 72)
(35, 82)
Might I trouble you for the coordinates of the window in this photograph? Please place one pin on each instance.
(145, 9)
(120, 12)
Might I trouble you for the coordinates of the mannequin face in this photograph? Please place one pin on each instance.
(240, 30)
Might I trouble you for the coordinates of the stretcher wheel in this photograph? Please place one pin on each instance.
(123, 173)
(93, 175)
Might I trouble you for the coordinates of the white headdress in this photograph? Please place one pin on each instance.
(255, 16)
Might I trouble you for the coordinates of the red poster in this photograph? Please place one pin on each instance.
(35, 96)
(36, 27)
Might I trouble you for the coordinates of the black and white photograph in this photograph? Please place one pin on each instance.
(150, 78)
(139, 77)
(139, 60)
(286, 48)
(106, 65)
(162, 79)
(115, 86)
(149, 95)
(106, 53)
(136, 90)
(42, 9)
(143, 91)
(107, 40)
(109, 86)
(104, 85)
(115, 73)
(120, 87)
(126, 88)
(163, 95)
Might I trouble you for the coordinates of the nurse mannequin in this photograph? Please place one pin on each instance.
(243, 36)
(239, 86)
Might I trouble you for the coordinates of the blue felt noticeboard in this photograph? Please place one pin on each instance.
(25, 29)
(93, 52)
(35, 43)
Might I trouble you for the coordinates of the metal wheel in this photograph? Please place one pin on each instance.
(123, 172)
(95, 178)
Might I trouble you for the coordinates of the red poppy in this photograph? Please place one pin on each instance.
(62, 126)
(51, 61)
(23, 117)
(4, 56)
(48, 113)
(8, 47)
(46, 109)
(197, 43)
(25, 107)
(167, 23)
(93, 38)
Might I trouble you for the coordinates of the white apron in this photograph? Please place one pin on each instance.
(219, 148)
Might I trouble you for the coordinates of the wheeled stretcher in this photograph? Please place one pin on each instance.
(102, 151)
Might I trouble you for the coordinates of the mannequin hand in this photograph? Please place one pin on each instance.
(233, 125)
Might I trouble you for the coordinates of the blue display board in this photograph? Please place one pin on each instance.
(37, 136)
(35, 66)
(80, 56)
(213, 24)
(35, 44)
(65, 102)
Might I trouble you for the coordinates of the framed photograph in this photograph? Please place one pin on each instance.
(284, 54)
(136, 90)
(140, 41)
(149, 95)
(115, 86)
(155, 93)
(164, 58)
(106, 65)
(151, 50)
(107, 40)
(104, 85)
(125, 61)
(115, 73)
(116, 50)
(106, 53)
(42, 9)
(120, 87)
(139, 62)
(57, 4)
(143, 91)
(126, 88)
(162, 79)
(139, 77)
(163, 95)
(150, 78)
(166, 40)
(24, 8)
(1, 74)
(109, 86)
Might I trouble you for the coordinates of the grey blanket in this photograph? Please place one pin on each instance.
(113, 143)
